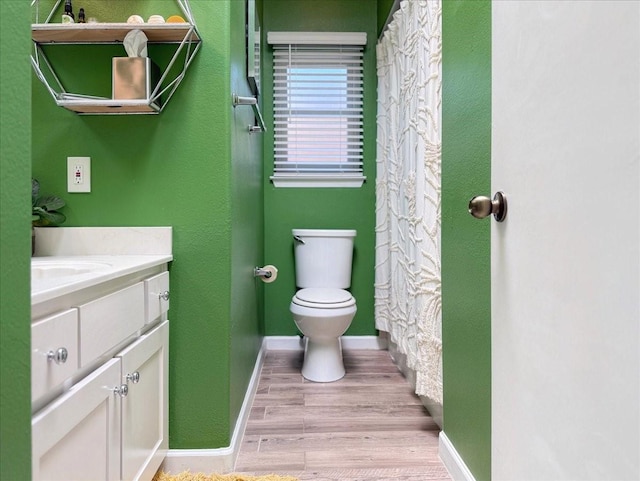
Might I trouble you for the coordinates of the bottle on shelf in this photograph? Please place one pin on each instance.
(67, 16)
(81, 16)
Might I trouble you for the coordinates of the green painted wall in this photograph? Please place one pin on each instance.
(185, 168)
(466, 274)
(384, 7)
(320, 208)
(15, 252)
(247, 217)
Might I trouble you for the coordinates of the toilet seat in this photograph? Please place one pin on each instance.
(323, 298)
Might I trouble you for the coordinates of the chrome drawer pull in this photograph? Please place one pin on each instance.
(59, 356)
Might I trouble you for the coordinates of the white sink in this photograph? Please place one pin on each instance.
(56, 276)
(55, 268)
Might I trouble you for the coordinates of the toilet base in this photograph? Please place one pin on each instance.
(323, 360)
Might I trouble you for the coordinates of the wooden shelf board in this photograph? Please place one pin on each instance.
(109, 32)
(110, 106)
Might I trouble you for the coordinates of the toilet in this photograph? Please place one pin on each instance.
(323, 309)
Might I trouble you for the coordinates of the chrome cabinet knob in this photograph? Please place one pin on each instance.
(481, 206)
(122, 390)
(59, 356)
(134, 377)
(164, 295)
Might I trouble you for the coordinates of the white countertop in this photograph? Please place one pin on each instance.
(76, 258)
(94, 270)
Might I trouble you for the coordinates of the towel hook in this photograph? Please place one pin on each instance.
(253, 101)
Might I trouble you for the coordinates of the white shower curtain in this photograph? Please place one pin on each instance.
(407, 274)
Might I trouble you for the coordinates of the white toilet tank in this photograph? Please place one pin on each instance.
(323, 257)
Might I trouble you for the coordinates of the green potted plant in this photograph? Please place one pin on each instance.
(44, 210)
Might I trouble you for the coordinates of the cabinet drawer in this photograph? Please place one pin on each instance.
(156, 291)
(54, 351)
(106, 322)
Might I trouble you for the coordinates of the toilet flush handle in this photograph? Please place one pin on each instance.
(298, 239)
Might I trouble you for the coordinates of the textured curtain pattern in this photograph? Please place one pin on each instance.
(407, 275)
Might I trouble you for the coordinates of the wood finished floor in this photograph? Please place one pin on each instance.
(367, 426)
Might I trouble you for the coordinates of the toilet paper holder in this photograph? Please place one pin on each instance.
(266, 273)
(261, 272)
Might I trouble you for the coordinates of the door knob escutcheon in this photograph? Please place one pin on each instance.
(481, 206)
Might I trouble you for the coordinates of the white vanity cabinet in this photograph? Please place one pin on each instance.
(100, 382)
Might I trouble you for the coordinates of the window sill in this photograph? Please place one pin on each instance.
(306, 181)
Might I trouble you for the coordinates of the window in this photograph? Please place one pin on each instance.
(317, 108)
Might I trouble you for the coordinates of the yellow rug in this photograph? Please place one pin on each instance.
(188, 476)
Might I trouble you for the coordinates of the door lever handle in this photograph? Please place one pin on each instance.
(481, 206)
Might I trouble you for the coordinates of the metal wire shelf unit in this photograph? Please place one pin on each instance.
(184, 36)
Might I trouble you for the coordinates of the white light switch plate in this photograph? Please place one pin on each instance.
(78, 174)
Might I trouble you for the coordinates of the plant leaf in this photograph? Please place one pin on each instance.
(56, 218)
(50, 218)
(35, 191)
(50, 202)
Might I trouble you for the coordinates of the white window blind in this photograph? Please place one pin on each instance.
(318, 116)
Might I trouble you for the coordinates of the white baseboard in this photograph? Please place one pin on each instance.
(283, 343)
(296, 343)
(219, 460)
(452, 460)
(374, 343)
(206, 461)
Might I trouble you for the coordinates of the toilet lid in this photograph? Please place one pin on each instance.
(323, 298)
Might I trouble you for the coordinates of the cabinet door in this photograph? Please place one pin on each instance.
(145, 408)
(77, 437)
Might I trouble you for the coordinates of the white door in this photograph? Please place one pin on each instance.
(566, 262)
